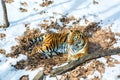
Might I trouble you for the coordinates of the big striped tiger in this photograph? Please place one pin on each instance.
(74, 43)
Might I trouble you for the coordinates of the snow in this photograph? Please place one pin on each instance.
(111, 73)
(107, 11)
(13, 31)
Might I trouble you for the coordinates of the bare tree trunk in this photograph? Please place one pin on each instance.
(73, 64)
(6, 23)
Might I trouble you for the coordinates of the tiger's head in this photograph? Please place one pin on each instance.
(75, 36)
(76, 40)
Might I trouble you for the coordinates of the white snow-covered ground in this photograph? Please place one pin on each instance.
(107, 10)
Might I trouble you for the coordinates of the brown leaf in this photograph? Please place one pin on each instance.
(2, 36)
(23, 10)
(24, 4)
(2, 51)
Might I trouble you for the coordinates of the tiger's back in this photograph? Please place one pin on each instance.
(53, 44)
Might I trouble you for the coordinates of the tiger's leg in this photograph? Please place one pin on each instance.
(79, 55)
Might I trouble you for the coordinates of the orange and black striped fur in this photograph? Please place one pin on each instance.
(74, 43)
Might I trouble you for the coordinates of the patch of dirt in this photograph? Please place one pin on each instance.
(54, 24)
(95, 2)
(85, 70)
(46, 3)
(2, 36)
(104, 38)
(23, 9)
(111, 61)
(3, 51)
(24, 4)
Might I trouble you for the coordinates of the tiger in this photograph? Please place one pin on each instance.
(74, 43)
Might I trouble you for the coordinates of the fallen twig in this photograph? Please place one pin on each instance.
(73, 64)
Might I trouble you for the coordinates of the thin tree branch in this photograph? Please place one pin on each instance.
(6, 22)
(73, 64)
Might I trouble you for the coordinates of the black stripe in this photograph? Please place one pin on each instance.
(47, 48)
(33, 40)
(54, 44)
(42, 51)
(40, 39)
(57, 53)
(50, 48)
(60, 38)
(50, 54)
(65, 39)
(49, 37)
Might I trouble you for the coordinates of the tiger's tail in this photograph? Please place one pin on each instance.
(35, 40)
